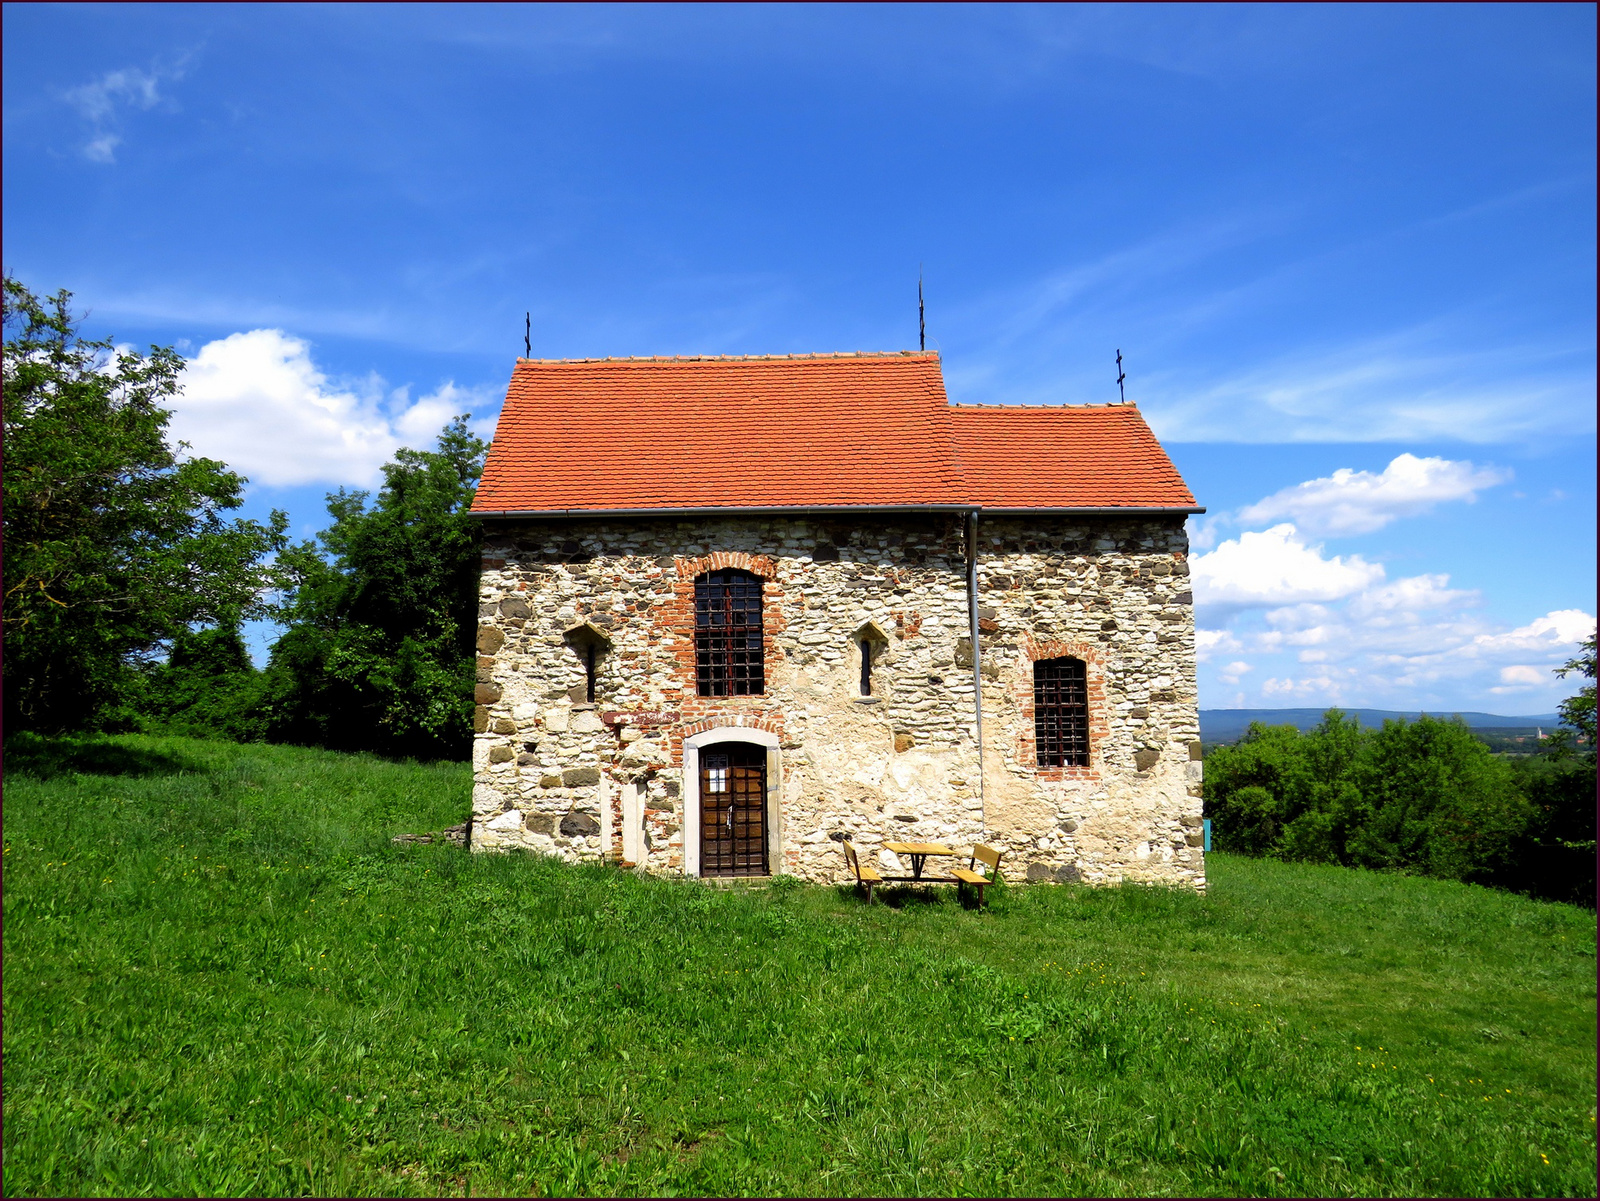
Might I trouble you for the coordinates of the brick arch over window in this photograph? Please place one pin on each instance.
(673, 621)
(761, 565)
(1043, 658)
(729, 633)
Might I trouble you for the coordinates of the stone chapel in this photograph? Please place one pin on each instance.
(736, 610)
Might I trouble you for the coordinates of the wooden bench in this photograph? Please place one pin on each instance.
(866, 877)
(966, 875)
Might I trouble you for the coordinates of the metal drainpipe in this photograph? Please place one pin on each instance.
(977, 664)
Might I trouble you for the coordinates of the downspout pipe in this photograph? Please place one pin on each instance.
(977, 660)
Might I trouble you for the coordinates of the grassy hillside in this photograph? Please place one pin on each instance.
(222, 978)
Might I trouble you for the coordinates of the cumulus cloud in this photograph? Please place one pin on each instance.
(1551, 633)
(1318, 629)
(1276, 567)
(1519, 676)
(102, 103)
(1360, 502)
(1210, 643)
(258, 402)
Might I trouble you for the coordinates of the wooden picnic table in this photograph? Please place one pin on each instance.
(920, 853)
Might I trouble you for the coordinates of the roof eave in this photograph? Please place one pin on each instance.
(715, 509)
(1090, 510)
(1072, 510)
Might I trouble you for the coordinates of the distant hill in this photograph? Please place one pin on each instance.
(1227, 725)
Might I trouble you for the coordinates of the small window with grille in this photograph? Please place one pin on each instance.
(1061, 712)
(727, 634)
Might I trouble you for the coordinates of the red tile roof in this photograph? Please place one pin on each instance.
(801, 432)
(1078, 456)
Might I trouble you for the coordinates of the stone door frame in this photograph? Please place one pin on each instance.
(691, 791)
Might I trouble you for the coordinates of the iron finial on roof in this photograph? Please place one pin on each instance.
(922, 319)
(1121, 375)
(527, 335)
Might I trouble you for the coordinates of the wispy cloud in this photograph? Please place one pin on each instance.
(103, 102)
(1399, 388)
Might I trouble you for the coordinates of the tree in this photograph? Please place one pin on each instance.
(379, 651)
(207, 688)
(1423, 796)
(1578, 711)
(115, 543)
(1437, 801)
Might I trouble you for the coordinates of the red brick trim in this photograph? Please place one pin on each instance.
(771, 723)
(761, 565)
(673, 617)
(1026, 748)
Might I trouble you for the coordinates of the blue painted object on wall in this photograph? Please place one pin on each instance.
(1206, 825)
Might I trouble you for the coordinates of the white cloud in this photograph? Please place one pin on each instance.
(1408, 644)
(1203, 531)
(102, 148)
(1208, 643)
(1276, 567)
(259, 403)
(130, 86)
(1554, 631)
(1360, 502)
(1411, 595)
(102, 103)
(1232, 673)
(1521, 674)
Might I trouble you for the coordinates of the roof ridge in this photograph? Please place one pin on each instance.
(1036, 408)
(742, 358)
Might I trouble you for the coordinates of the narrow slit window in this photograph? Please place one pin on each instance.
(728, 637)
(1061, 712)
(588, 667)
(866, 667)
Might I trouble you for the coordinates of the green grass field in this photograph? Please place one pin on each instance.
(221, 977)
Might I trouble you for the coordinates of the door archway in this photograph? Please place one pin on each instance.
(733, 810)
(731, 822)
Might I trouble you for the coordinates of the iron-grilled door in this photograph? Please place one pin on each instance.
(733, 810)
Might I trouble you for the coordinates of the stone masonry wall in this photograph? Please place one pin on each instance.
(556, 774)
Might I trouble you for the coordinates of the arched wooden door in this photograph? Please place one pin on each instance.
(733, 810)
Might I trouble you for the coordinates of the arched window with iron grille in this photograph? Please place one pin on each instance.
(727, 633)
(1061, 712)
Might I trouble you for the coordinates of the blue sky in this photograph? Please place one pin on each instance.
(1347, 251)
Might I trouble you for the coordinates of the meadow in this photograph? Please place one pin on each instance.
(221, 977)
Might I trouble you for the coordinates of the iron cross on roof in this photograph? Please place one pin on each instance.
(1120, 377)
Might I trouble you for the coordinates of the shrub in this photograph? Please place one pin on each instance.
(1423, 796)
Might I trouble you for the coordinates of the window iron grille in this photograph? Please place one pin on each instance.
(1061, 712)
(728, 634)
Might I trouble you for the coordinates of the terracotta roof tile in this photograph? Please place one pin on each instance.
(1070, 456)
(800, 431)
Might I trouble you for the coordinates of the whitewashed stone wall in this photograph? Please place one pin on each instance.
(555, 774)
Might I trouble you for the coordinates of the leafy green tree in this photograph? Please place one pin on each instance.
(1438, 802)
(207, 688)
(379, 651)
(1423, 796)
(1557, 857)
(115, 544)
(1578, 711)
(1283, 793)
